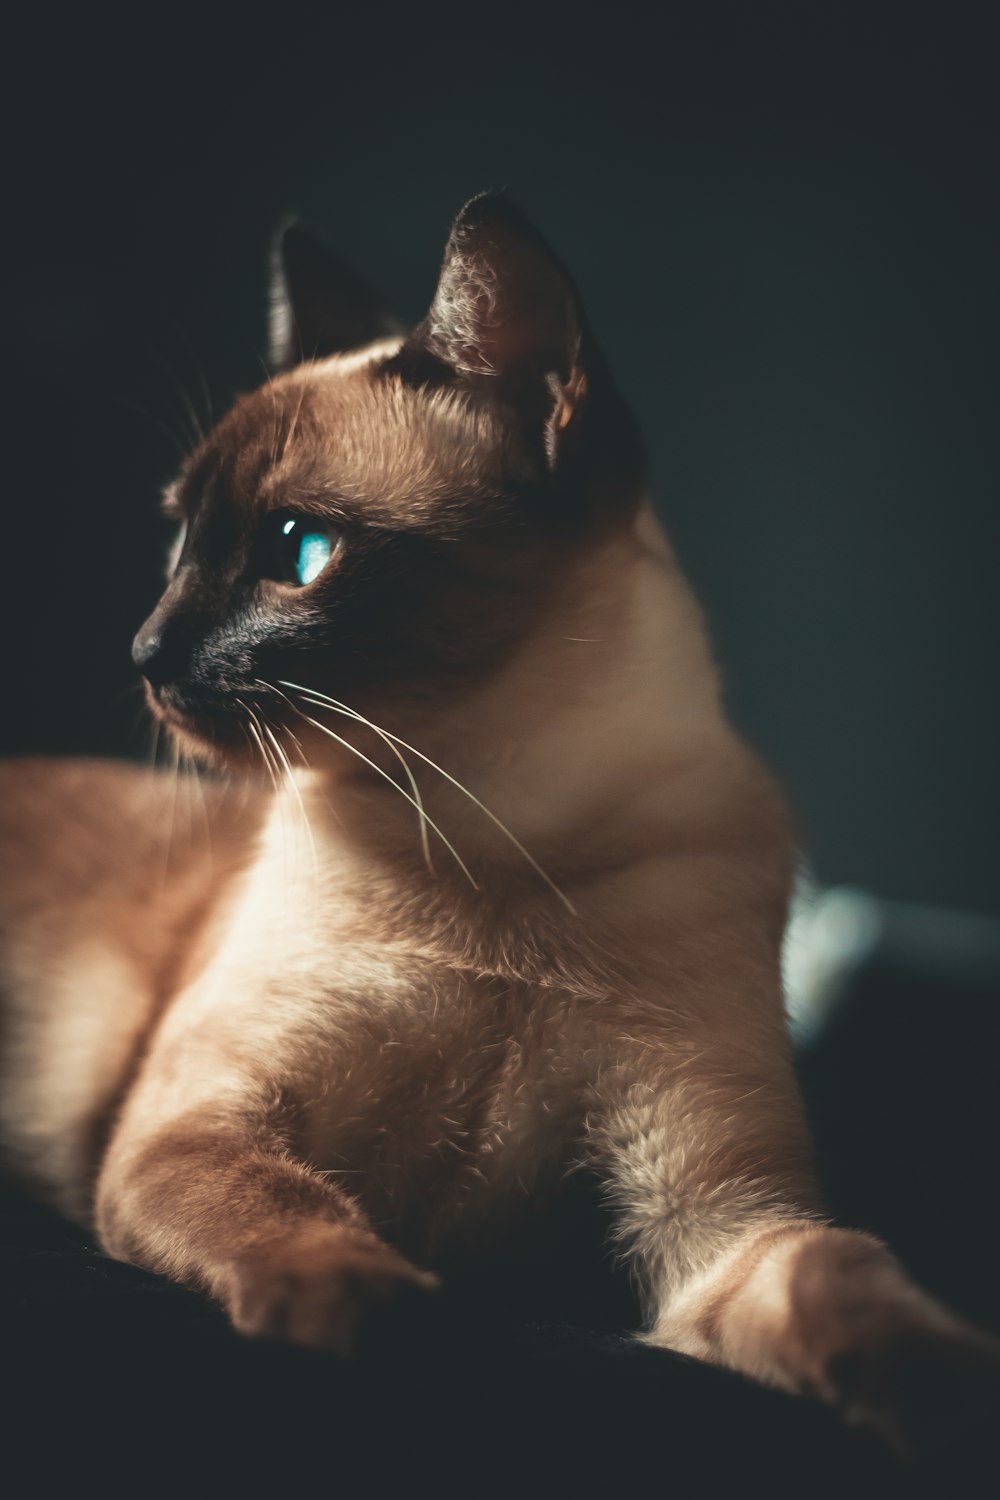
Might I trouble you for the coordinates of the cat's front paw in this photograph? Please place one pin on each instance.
(315, 1288)
(926, 1390)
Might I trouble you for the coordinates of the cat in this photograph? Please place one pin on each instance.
(513, 906)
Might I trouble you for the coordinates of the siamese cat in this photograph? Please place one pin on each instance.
(512, 907)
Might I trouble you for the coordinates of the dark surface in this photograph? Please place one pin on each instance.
(520, 1380)
(902, 1087)
(106, 1365)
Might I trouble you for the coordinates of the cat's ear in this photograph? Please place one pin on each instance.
(318, 305)
(507, 319)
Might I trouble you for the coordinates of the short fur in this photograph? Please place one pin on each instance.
(300, 1066)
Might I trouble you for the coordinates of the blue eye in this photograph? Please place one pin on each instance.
(315, 552)
(299, 548)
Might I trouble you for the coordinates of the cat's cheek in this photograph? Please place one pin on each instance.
(314, 1288)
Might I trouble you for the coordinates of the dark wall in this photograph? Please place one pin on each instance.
(785, 221)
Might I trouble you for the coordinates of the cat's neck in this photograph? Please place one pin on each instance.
(579, 746)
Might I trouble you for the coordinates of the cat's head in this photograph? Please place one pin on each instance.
(387, 519)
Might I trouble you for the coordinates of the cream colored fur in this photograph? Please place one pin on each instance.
(236, 1071)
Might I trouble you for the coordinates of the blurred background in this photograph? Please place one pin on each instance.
(784, 219)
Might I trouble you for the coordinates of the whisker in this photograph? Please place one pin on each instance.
(126, 692)
(274, 772)
(198, 368)
(293, 424)
(259, 742)
(154, 744)
(197, 431)
(195, 772)
(418, 799)
(385, 775)
(168, 850)
(292, 784)
(276, 425)
(182, 444)
(184, 790)
(322, 700)
(298, 745)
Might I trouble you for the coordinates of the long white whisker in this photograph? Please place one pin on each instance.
(417, 798)
(169, 847)
(155, 751)
(385, 775)
(197, 430)
(292, 785)
(289, 773)
(258, 741)
(298, 745)
(321, 699)
(185, 782)
(255, 728)
(206, 820)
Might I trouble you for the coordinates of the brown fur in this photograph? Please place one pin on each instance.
(291, 1059)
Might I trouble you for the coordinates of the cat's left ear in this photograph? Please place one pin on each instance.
(318, 305)
(507, 320)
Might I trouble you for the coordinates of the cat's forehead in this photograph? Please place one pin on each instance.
(344, 432)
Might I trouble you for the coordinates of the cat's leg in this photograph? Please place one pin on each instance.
(704, 1150)
(212, 1197)
(829, 1312)
(106, 884)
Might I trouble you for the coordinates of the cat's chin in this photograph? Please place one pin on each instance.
(216, 739)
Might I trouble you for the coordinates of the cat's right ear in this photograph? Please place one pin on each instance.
(318, 305)
(506, 322)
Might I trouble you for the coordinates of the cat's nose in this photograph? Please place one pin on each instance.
(159, 653)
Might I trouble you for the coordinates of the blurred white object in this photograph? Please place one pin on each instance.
(832, 933)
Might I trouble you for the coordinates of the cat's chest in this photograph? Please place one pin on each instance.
(429, 1091)
(433, 1093)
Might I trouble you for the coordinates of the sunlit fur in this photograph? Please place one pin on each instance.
(505, 905)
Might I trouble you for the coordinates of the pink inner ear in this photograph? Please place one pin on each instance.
(570, 397)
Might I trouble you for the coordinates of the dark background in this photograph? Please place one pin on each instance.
(784, 219)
